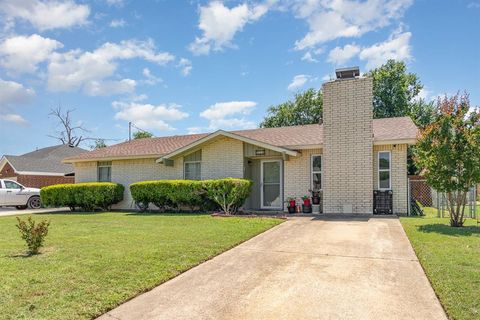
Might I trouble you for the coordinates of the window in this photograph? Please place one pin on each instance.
(11, 185)
(316, 173)
(192, 166)
(104, 169)
(384, 170)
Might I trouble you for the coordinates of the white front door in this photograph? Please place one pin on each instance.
(271, 184)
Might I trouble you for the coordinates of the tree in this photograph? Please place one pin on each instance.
(394, 90)
(99, 144)
(449, 152)
(306, 108)
(142, 134)
(69, 134)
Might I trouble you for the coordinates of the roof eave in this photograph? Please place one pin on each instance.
(409, 141)
(72, 161)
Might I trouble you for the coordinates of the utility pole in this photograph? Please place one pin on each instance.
(129, 131)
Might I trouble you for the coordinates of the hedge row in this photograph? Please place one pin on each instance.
(87, 196)
(228, 194)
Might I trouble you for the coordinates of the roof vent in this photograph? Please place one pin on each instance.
(347, 73)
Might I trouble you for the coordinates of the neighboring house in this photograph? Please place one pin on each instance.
(347, 157)
(40, 168)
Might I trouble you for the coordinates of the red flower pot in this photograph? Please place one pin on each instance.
(306, 202)
(293, 203)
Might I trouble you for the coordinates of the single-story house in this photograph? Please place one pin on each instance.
(347, 157)
(40, 168)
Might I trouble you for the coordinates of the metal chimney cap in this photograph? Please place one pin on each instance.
(347, 73)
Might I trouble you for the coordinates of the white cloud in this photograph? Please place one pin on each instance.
(150, 78)
(45, 14)
(339, 55)
(13, 94)
(219, 24)
(309, 57)
(396, 47)
(332, 19)
(22, 54)
(148, 116)
(117, 23)
(225, 115)
(118, 3)
(14, 118)
(298, 81)
(109, 87)
(185, 65)
(76, 69)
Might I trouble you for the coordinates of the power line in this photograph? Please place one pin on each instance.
(132, 125)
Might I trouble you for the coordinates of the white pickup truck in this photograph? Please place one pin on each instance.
(13, 194)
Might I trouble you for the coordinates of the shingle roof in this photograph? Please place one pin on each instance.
(389, 129)
(47, 160)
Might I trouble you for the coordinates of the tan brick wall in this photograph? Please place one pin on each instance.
(297, 174)
(85, 171)
(398, 175)
(348, 146)
(222, 158)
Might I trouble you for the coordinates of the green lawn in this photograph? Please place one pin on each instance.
(93, 262)
(451, 259)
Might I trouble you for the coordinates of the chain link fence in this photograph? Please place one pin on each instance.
(425, 200)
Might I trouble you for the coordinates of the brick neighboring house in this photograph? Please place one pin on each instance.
(40, 168)
(347, 157)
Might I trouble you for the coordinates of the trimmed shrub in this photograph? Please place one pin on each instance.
(87, 196)
(33, 233)
(168, 193)
(229, 194)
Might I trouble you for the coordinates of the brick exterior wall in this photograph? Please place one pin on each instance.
(399, 177)
(298, 174)
(33, 181)
(223, 158)
(220, 159)
(348, 147)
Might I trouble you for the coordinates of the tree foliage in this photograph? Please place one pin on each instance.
(394, 90)
(449, 152)
(142, 135)
(98, 144)
(305, 108)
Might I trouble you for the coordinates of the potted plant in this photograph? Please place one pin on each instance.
(315, 196)
(291, 205)
(307, 205)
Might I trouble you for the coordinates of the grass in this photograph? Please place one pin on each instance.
(451, 259)
(94, 262)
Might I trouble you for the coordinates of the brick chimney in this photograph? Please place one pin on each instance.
(348, 144)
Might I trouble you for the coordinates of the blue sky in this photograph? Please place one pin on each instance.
(177, 67)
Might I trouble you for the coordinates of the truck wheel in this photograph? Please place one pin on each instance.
(34, 202)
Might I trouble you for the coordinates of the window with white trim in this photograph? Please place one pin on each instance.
(316, 172)
(104, 171)
(384, 170)
(192, 166)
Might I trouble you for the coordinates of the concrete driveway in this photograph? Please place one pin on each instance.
(306, 268)
(7, 211)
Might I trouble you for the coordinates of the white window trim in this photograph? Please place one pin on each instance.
(104, 166)
(312, 172)
(382, 170)
(188, 162)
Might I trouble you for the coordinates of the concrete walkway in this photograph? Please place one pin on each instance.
(7, 211)
(306, 268)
